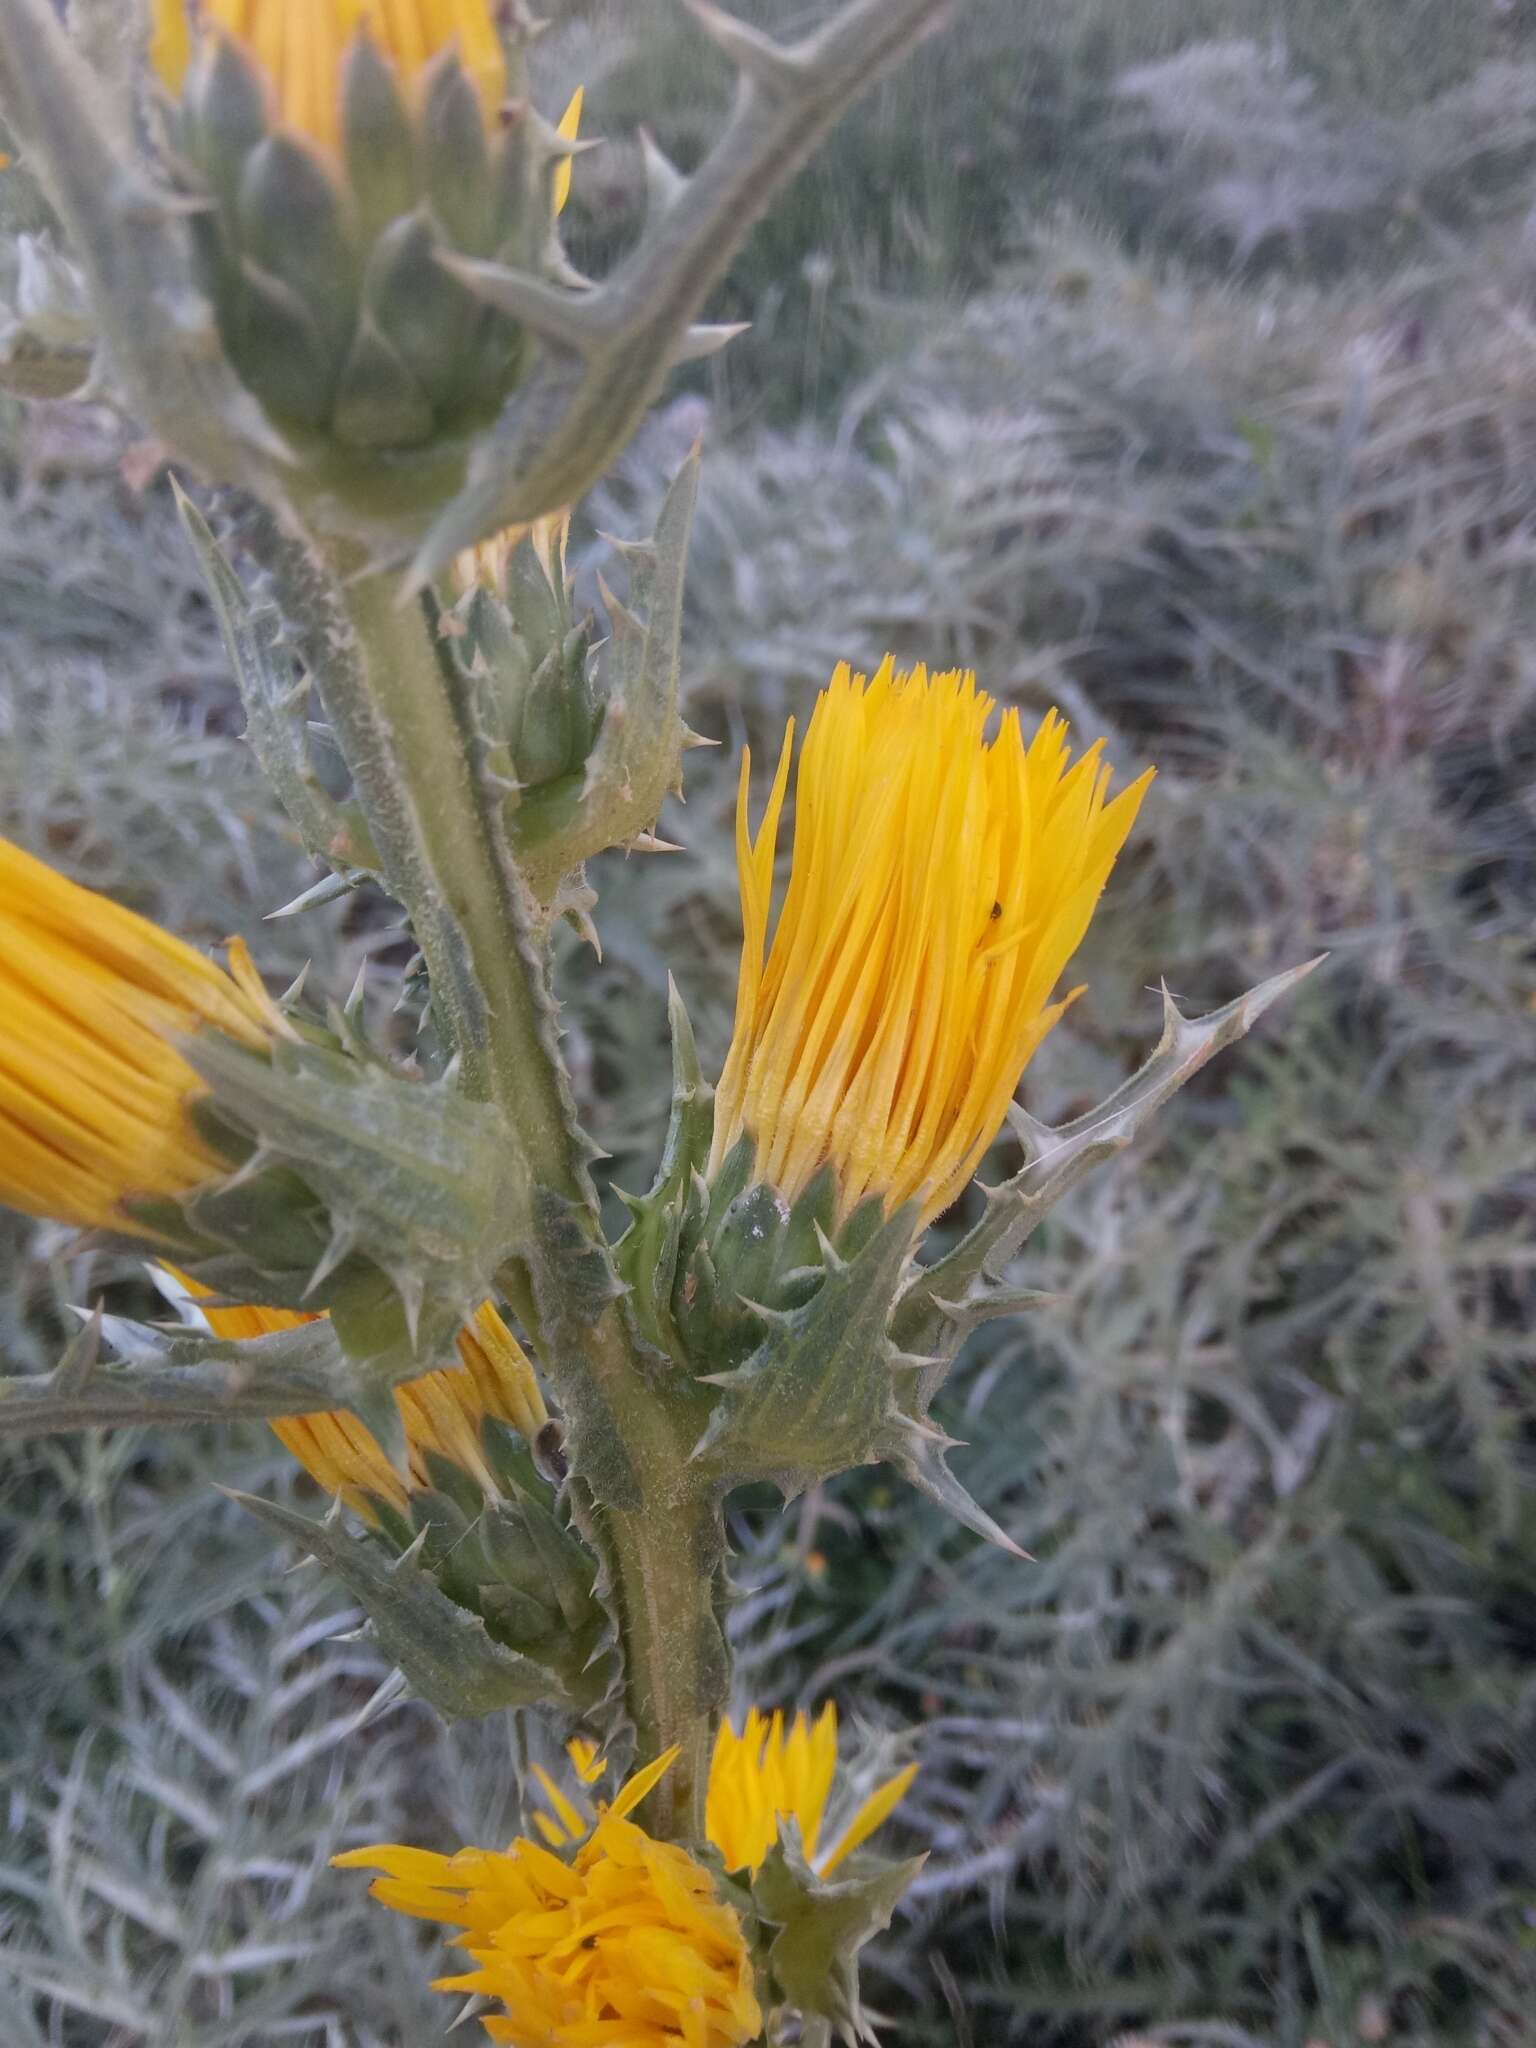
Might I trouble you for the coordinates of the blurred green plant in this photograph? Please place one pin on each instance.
(1187, 125)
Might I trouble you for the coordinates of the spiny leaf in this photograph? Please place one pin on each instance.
(1060, 1158)
(636, 760)
(605, 352)
(413, 1175)
(647, 1254)
(443, 1650)
(253, 637)
(822, 1924)
(179, 1380)
(917, 1452)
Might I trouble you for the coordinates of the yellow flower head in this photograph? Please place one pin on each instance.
(442, 1411)
(772, 1772)
(600, 1937)
(95, 1097)
(622, 1942)
(940, 883)
(301, 46)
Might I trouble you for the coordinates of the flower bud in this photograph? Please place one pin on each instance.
(350, 152)
(940, 883)
(443, 1413)
(149, 1094)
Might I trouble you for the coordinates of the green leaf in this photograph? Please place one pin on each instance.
(379, 404)
(378, 138)
(604, 353)
(455, 155)
(426, 315)
(647, 1254)
(182, 1380)
(939, 1306)
(405, 1195)
(293, 227)
(445, 1652)
(917, 1450)
(822, 1925)
(264, 669)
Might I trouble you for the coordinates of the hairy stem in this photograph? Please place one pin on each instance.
(387, 695)
(666, 1553)
(442, 847)
(44, 1404)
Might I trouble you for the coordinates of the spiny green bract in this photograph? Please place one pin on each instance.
(334, 301)
(580, 744)
(482, 1603)
(386, 1200)
(819, 1926)
(811, 1344)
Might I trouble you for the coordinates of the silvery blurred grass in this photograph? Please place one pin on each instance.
(1219, 431)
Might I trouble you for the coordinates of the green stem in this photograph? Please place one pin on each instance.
(659, 1525)
(671, 1641)
(441, 843)
(49, 1404)
(444, 856)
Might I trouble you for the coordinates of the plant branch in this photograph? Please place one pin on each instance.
(134, 245)
(656, 1524)
(437, 822)
(292, 1373)
(606, 352)
(437, 818)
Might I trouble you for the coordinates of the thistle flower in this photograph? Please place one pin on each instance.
(442, 1411)
(772, 1772)
(620, 1940)
(301, 47)
(96, 1099)
(940, 883)
(598, 1934)
(348, 154)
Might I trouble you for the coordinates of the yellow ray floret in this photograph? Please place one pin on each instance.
(485, 565)
(569, 129)
(940, 883)
(600, 1937)
(442, 1411)
(301, 46)
(773, 1771)
(622, 1943)
(95, 1097)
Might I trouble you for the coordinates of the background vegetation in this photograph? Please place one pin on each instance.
(1181, 372)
